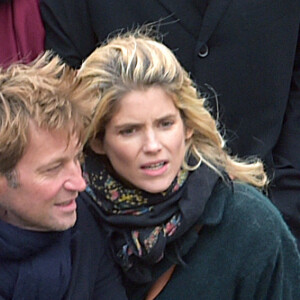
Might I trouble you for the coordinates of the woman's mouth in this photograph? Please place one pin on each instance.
(155, 169)
(155, 166)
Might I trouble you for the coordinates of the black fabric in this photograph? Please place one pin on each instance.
(138, 241)
(201, 6)
(94, 274)
(253, 64)
(34, 265)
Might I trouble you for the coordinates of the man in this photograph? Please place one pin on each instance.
(247, 51)
(51, 247)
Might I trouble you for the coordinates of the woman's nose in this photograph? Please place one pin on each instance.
(151, 142)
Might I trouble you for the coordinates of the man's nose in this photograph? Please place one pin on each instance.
(75, 182)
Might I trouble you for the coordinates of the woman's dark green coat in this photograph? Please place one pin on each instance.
(244, 251)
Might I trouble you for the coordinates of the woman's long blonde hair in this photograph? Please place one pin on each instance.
(135, 61)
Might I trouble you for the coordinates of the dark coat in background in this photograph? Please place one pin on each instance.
(247, 51)
(21, 31)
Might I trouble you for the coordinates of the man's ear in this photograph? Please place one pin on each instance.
(97, 147)
(3, 184)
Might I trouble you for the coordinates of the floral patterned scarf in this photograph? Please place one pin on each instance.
(142, 224)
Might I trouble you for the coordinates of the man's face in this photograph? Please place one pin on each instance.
(49, 178)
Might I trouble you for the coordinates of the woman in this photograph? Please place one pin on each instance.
(185, 219)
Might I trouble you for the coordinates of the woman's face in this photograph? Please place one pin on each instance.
(145, 139)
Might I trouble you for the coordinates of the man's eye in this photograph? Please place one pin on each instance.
(53, 168)
(80, 157)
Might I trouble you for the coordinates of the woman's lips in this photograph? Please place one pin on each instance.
(155, 168)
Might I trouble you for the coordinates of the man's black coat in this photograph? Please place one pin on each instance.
(248, 51)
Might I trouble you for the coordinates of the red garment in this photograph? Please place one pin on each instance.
(21, 31)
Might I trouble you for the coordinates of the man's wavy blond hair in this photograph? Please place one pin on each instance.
(46, 92)
(135, 61)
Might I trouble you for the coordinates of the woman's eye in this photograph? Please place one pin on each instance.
(166, 123)
(127, 131)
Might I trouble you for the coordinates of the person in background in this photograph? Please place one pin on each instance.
(22, 32)
(47, 237)
(248, 52)
(185, 219)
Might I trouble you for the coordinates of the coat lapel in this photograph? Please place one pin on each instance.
(184, 13)
(191, 19)
(212, 17)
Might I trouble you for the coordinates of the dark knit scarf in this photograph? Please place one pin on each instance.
(34, 265)
(141, 224)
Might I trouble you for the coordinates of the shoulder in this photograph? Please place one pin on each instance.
(89, 251)
(88, 228)
(92, 259)
(251, 234)
(243, 199)
(244, 232)
(246, 200)
(250, 217)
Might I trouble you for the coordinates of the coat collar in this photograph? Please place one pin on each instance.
(184, 13)
(192, 20)
(214, 13)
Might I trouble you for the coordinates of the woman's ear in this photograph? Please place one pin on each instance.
(188, 133)
(96, 146)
